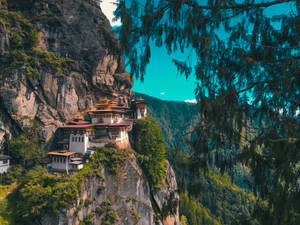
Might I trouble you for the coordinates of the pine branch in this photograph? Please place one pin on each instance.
(235, 6)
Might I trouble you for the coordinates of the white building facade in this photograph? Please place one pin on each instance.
(4, 163)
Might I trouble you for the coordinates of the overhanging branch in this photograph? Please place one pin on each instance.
(235, 6)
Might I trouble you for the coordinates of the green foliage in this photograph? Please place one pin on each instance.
(135, 215)
(170, 207)
(174, 118)
(39, 193)
(23, 54)
(183, 220)
(150, 150)
(5, 213)
(131, 199)
(100, 190)
(109, 215)
(32, 39)
(87, 202)
(215, 192)
(88, 220)
(111, 157)
(26, 149)
(194, 212)
(14, 174)
(248, 79)
(5, 189)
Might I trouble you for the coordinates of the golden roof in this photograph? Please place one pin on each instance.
(61, 153)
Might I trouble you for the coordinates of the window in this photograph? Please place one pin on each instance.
(72, 139)
(75, 139)
(5, 161)
(82, 139)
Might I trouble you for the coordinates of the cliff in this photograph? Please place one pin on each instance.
(126, 195)
(57, 57)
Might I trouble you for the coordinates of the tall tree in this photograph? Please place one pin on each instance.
(248, 86)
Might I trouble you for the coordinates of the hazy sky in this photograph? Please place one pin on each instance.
(161, 79)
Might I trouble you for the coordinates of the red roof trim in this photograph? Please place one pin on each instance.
(96, 125)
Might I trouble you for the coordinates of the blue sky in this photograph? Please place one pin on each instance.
(162, 79)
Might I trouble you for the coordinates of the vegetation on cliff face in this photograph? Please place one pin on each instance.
(149, 145)
(22, 53)
(26, 149)
(40, 194)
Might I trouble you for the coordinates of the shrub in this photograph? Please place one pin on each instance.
(150, 150)
(110, 157)
(39, 194)
(14, 174)
(88, 220)
(87, 202)
(109, 215)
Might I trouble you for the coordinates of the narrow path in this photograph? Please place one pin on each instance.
(4, 197)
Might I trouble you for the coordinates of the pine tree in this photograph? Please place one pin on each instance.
(248, 86)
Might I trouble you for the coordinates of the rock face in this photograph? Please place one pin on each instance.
(130, 198)
(76, 30)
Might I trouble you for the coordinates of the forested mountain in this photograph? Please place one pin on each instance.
(174, 118)
(213, 198)
(59, 58)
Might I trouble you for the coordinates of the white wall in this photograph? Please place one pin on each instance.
(107, 120)
(93, 144)
(59, 165)
(139, 114)
(4, 167)
(123, 135)
(95, 120)
(76, 167)
(79, 145)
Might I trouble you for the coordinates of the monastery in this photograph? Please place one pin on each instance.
(105, 123)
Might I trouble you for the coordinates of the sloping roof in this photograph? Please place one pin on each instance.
(106, 111)
(61, 153)
(4, 157)
(96, 125)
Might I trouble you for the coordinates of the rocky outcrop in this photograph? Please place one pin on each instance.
(84, 65)
(130, 197)
(167, 198)
(74, 30)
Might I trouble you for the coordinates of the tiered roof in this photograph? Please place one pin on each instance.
(106, 106)
(140, 101)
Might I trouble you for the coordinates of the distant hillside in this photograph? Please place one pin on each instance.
(174, 117)
(216, 199)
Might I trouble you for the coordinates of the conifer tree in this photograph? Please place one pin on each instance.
(248, 86)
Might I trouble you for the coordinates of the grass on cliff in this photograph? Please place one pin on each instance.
(5, 214)
(23, 54)
(40, 194)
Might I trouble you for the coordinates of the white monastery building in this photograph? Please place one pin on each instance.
(105, 123)
(4, 163)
